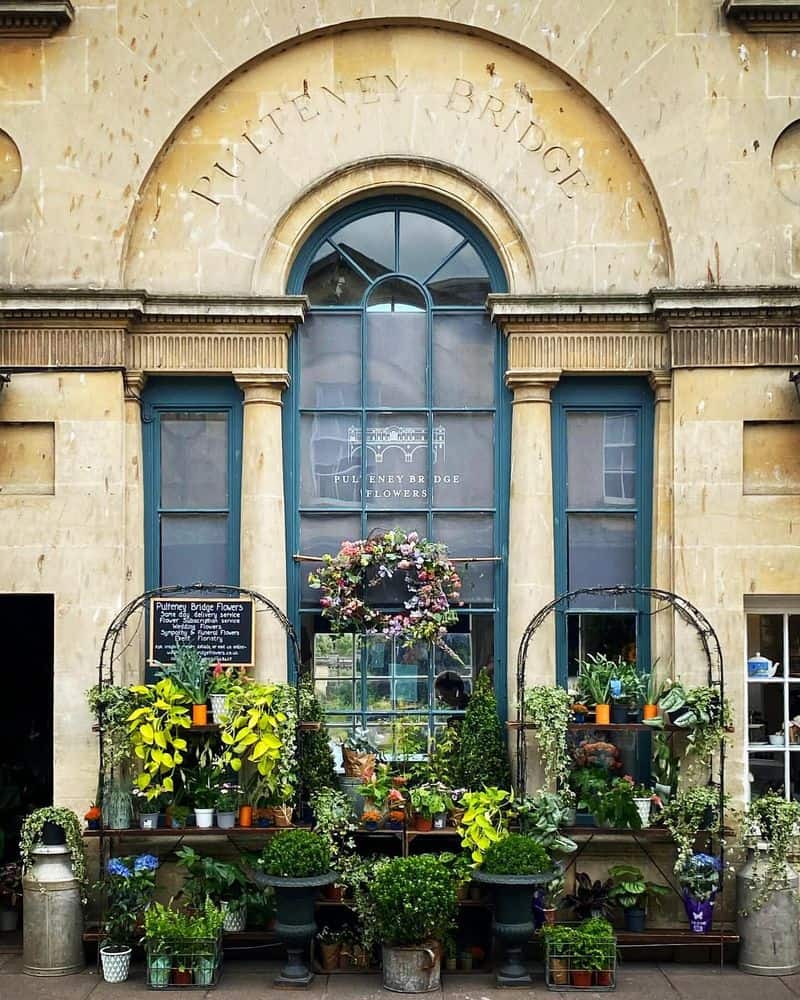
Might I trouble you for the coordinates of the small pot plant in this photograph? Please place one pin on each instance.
(593, 954)
(227, 806)
(224, 884)
(514, 868)
(594, 685)
(590, 898)
(191, 672)
(296, 864)
(426, 802)
(359, 754)
(129, 886)
(631, 893)
(699, 877)
(52, 826)
(182, 948)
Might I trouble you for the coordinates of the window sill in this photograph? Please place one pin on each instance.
(764, 15)
(34, 18)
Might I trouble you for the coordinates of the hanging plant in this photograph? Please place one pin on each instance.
(429, 575)
(689, 812)
(771, 829)
(31, 837)
(549, 710)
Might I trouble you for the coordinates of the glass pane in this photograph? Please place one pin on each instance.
(375, 656)
(318, 537)
(379, 695)
(405, 522)
(424, 244)
(194, 549)
(334, 655)
(332, 281)
(463, 460)
(411, 693)
(469, 535)
(601, 554)
(194, 460)
(765, 638)
(463, 361)
(765, 714)
(601, 459)
(412, 661)
(396, 295)
(463, 281)
(766, 773)
(794, 777)
(370, 242)
(397, 460)
(397, 358)
(330, 459)
(336, 695)
(611, 635)
(794, 645)
(330, 360)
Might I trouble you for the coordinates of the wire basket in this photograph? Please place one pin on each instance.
(186, 964)
(565, 967)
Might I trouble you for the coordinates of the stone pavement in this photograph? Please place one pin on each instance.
(252, 980)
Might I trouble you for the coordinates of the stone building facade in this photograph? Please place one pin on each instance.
(633, 169)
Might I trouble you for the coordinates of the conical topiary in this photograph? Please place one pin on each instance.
(483, 754)
(314, 749)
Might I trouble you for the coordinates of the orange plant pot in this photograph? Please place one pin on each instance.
(199, 715)
(602, 715)
(423, 824)
(603, 978)
(245, 815)
(582, 978)
(649, 711)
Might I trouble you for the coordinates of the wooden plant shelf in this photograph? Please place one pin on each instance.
(135, 833)
(228, 937)
(669, 937)
(614, 727)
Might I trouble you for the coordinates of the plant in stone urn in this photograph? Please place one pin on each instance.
(514, 868)
(296, 864)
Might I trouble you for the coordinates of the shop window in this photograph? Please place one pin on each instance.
(602, 481)
(192, 451)
(399, 422)
(773, 696)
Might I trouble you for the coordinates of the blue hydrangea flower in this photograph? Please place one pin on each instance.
(117, 867)
(706, 861)
(145, 863)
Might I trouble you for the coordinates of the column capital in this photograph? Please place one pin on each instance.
(661, 384)
(134, 380)
(263, 386)
(532, 385)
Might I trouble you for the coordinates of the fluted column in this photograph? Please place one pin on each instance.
(134, 658)
(263, 513)
(662, 633)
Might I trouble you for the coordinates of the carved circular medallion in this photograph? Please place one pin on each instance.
(786, 163)
(10, 167)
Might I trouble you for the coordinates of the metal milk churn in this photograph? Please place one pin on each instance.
(770, 936)
(53, 917)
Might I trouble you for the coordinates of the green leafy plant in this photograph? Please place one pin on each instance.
(631, 889)
(655, 686)
(485, 820)
(516, 854)
(129, 887)
(590, 897)
(190, 671)
(549, 711)
(227, 800)
(334, 820)
(483, 754)
(593, 945)
(616, 807)
(156, 728)
(296, 854)
(208, 877)
(553, 891)
(31, 837)
(700, 710)
(589, 784)
(444, 757)
(540, 816)
(168, 930)
(594, 679)
(314, 750)
(771, 828)
(428, 801)
(664, 767)
(415, 900)
(226, 677)
(111, 706)
(250, 729)
(689, 812)
(376, 789)
(699, 876)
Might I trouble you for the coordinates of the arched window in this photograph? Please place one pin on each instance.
(396, 419)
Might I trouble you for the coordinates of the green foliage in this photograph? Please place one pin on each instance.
(549, 710)
(485, 820)
(296, 854)
(589, 896)
(31, 836)
(589, 784)
(631, 889)
(688, 813)
(444, 757)
(377, 788)
(483, 754)
(167, 929)
(772, 827)
(616, 807)
(415, 900)
(129, 887)
(250, 730)
(664, 762)
(333, 819)
(111, 706)
(515, 855)
(594, 679)
(190, 671)
(702, 711)
(314, 750)
(540, 816)
(428, 801)
(207, 877)
(589, 946)
(155, 728)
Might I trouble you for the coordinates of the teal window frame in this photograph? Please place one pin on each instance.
(198, 395)
(590, 394)
(501, 409)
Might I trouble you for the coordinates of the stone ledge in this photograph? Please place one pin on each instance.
(764, 15)
(34, 18)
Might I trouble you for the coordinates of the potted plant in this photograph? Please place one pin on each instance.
(156, 729)
(296, 864)
(483, 753)
(255, 731)
(359, 754)
(616, 807)
(203, 793)
(426, 802)
(148, 808)
(596, 951)
(224, 679)
(485, 820)
(224, 884)
(52, 826)
(333, 820)
(541, 816)
(93, 817)
(129, 886)
(10, 895)
(699, 877)
(590, 898)
(664, 767)
(558, 945)
(594, 685)
(552, 893)
(653, 692)
(227, 805)
(631, 893)
(688, 813)
(330, 945)
(182, 948)
(513, 868)
(190, 672)
(316, 765)
(415, 909)
(179, 815)
(548, 710)
(700, 710)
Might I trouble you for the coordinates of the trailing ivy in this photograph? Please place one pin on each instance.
(31, 837)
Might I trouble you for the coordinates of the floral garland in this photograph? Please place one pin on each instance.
(429, 575)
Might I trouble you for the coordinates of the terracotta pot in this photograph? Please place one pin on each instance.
(549, 915)
(423, 824)
(582, 978)
(199, 715)
(181, 978)
(603, 978)
(333, 892)
(650, 711)
(245, 815)
(602, 714)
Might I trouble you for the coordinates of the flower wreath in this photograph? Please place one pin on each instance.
(429, 575)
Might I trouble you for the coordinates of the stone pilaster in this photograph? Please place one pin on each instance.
(134, 380)
(662, 634)
(263, 544)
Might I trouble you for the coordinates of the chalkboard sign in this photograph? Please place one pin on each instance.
(220, 629)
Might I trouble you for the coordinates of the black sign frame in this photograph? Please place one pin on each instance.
(157, 644)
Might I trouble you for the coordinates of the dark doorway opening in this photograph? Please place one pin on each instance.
(26, 735)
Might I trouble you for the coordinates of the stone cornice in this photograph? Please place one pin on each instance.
(764, 15)
(34, 18)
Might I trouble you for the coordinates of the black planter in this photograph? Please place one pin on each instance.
(635, 713)
(634, 919)
(512, 921)
(619, 713)
(53, 835)
(296, 925)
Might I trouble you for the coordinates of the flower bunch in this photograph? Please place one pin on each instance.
(130, 886)
(429, 575)
(700, 876)
(226, 677)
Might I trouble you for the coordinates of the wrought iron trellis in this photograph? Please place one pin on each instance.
(692, 616)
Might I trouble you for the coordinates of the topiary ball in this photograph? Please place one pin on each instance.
(516, 855)
(296, 854)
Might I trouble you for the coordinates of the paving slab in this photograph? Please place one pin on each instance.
(792, 983)
(730, 984)
(17, 986)
(365, 986)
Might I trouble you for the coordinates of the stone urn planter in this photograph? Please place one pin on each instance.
(512, 922)
(296, 924)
